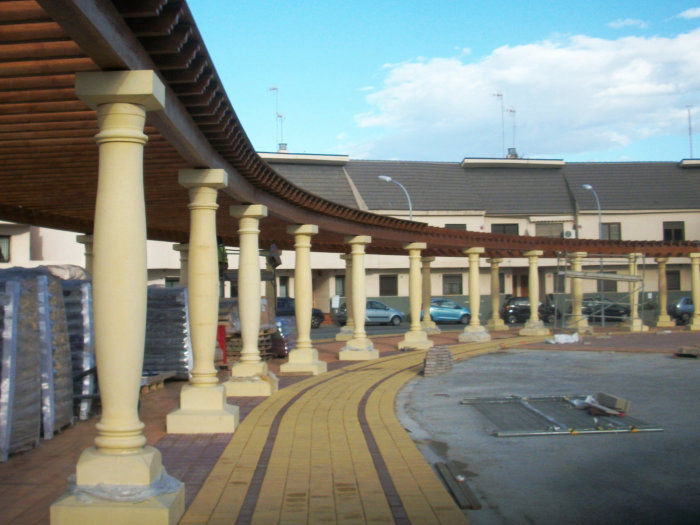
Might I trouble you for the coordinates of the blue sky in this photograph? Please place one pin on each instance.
(415, 80)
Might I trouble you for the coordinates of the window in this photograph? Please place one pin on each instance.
(673, 280)
(510, 229)
(4, 248)
(605, 285)
(340, 285)
(388, 285)
(172, 281)
(451, 284)
(549, 229)
(283, 290)
(502, 282)
(611, 231)
(674, 231)
(456, 226)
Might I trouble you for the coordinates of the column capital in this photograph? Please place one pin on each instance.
(302, 229)
(474, 250)
(694, 256)
(662, 260)
(634, 256)
(358, 239)
(533, 253)
(132, 87)
(253, 211)
(427, 260)
(578, 255)
(214, 178)
(415, 246)
(495, 260)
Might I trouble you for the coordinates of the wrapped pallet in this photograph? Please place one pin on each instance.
(168, 344)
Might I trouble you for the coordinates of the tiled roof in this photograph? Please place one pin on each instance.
(327, 181)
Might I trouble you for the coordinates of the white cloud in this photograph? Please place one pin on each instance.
(627, 22)
(572, 95)
(693, 12)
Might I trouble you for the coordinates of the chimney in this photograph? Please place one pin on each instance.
(282, 148)
(512, 153)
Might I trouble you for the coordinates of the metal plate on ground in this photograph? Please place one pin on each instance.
(516, 416)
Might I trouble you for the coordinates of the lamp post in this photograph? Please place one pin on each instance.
(600, 236)
(386, 178)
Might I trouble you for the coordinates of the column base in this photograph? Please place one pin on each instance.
(474, 333)
(417, 340)
(694, 325)
(304, 361)
(635, 325)
(429, 327)
(164, 509)
(203, 410)
(95, 467)
(496, 325)
(665, 321)
(534, 328)
(249, 368)
(345, 334)
(581, 326)
(358, 350)
(263, 385)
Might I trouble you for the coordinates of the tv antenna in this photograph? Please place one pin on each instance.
(279, 119)
(511, 110)
(499, 96)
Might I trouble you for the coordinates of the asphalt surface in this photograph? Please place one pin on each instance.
(645, 477)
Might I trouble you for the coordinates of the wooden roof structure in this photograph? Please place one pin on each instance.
(48, 156)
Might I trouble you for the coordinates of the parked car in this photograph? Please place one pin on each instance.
(682, 310)
(596, 308)
(376, 313)
(285, 308)
(447, 311)
(517, 310)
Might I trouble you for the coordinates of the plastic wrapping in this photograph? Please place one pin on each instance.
(165, 484)
(77, 297)
(228, 315)
(168, 344)
(20, 374)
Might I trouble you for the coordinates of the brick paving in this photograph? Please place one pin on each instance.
(351, 404)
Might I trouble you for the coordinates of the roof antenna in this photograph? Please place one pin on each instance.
(499, 96)
(279, 122)
(512, 152)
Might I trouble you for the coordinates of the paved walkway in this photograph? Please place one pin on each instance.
(323, 449)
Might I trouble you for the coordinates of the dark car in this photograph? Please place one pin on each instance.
(682, 310)
(517, 310)
(596, 308)
(285, 308)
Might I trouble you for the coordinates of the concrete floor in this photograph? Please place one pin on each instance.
(647, 477)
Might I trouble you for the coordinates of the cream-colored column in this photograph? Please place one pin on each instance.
(577, 320)
(183, 249)
(415, 338)
(120, 456)
(428, 325)
(534, 326)
(495, 323)
(634, 323)
(360, 347)
(250, 376)
(87, 240)
(348, 328)
(664, 320)
(304, 358)
(474, 331)
(694, 323)
(203, 408)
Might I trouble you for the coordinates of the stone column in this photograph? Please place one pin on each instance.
(694, 323)
(250, 376)
(634, 323)
(534, 326)
(474, 331)
(348, 328)
(304, 358)
(415, 338)
(183, 249)
(664, 320)
(120, 456)
(578, 320)
(428, 325)
(87, 240)
(495, 323)
(203, 408)
(360, 347)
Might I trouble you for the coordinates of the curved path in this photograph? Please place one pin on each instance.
(331, 449)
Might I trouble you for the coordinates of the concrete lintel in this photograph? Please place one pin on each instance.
(212, 178)
(415, 246)
(302, 229)
(474, 249)
(256, 211)
(132, 87)
(358, 239)
(533, 253)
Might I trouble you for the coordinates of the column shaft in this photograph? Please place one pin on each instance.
(183, 249)
(664, 320)
(578, 320)
(475, 331)
(347, 330)
(534, 326)
(496, 323)
(415, 338)
(695, 281)
(429, 326)
(87, 240)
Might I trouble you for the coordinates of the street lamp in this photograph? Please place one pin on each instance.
(600, 236)
(386, 178)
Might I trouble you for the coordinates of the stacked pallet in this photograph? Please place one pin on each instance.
(438, 360)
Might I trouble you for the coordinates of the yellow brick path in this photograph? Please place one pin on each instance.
(311, 452)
